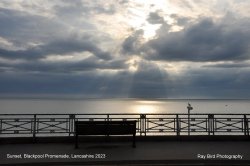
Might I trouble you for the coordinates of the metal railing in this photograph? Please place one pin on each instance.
(34, 125)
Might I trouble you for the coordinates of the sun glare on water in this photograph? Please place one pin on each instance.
(145, 107)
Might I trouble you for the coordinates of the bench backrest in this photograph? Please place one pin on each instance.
(105, 127)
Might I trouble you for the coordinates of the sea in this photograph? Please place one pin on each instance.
(122, 106)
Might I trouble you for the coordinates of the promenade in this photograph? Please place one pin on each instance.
(147, 152)
(162, 139)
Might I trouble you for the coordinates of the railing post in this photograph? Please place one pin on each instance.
(246, 127)
(108, 125)
(1, 126)
(34, 129)
(143, 124)
(188, 123)
(210, 124)
(108, 117)
(189, 108)
(71, 124)
(177, 125)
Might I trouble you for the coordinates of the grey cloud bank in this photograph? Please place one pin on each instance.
(74, 49)
(206, 40)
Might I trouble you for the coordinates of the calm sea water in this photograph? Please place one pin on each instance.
(43, 106)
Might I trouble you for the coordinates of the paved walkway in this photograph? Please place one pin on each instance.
(118, 153)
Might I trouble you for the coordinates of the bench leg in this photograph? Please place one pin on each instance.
(76, 141)
(134, 146)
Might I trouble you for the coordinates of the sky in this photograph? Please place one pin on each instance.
(195, 49)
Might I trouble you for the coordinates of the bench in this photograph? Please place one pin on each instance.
(104, 128)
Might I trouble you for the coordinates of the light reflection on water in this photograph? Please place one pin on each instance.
(105, 106)
(144, 109)
(148, 107)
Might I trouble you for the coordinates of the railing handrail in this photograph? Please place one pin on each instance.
(130, 114)
(177, 123)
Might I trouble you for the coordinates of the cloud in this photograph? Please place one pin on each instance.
(38, 37)
(155, 18)
(182, 3)
(123, 1)
(149, 81)
(50, 84)
(64, 66)
(132, 44)
(226, 83)
(61, 47)
(205, 40)
(103, 49)
(229, 65)
(85, 8)
(88, 84)
(181, 20)
(22, 27)
(146, 82)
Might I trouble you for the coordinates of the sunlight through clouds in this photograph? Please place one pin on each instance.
(126, 48)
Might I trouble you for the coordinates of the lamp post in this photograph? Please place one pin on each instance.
(189, 107)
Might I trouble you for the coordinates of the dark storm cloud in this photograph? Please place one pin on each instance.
(210, 83)
(70, 45)
(131, 44)
(50, 84)
(149, 82)
(61, 47)
(22, 28)
(226, 83)
(89, 84)
(229, 65)
(205, 40)
(145, 83)
(89, 64)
